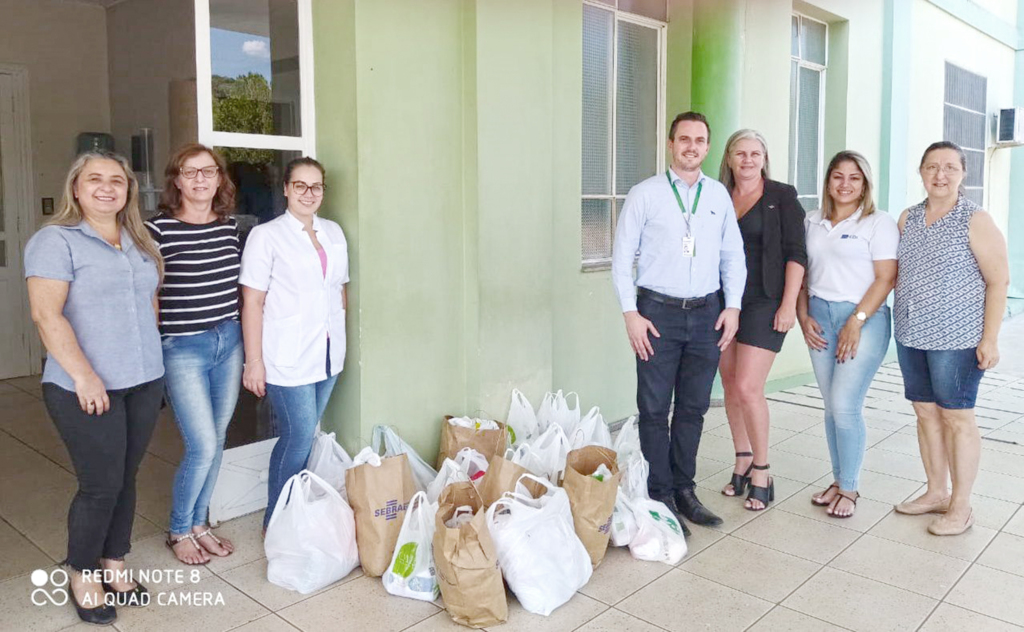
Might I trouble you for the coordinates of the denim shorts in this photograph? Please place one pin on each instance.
(947, 378)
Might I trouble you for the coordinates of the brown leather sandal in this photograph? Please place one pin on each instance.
(815, 500)
(838, 499)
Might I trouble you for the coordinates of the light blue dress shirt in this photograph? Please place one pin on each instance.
(651, 222)
(109, 303)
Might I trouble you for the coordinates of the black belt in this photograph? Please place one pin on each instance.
(671, 301)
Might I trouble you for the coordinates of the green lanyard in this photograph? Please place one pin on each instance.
(682, 206)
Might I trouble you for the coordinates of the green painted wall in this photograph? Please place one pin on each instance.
(451, 134)
(389, 114)
(334, 35)
(717, 73)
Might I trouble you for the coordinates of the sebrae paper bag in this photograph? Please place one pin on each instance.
(592, 501)
(467, 562)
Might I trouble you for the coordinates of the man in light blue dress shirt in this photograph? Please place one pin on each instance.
(691, 258)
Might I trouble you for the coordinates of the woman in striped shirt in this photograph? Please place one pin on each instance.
(202, 338)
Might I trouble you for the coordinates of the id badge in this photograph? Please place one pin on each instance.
(689, 246)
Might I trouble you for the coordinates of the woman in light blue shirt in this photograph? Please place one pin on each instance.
(92, 279)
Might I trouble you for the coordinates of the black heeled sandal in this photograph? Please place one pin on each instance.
(739, 482)
(764, 495)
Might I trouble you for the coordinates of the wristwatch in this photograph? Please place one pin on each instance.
(862, 316)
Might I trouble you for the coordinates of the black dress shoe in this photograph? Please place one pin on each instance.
(138, 596)
(694, 511)
(99, 615)
(671, 504)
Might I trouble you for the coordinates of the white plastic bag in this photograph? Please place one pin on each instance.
(522, 420)
(554, 410)
(366, 455)
(540, 555)
(472, 463)
(627, 441)
(328, 460)
(659, 537)
(623, 528)
(592, 430)
(474, 423)
(422, 474)
(526, 457)
(550, 450)
(311, 538)
(634, 476)
(412, 573)
(450, 472)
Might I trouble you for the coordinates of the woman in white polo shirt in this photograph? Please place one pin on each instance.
(851, 250)
(294, 271)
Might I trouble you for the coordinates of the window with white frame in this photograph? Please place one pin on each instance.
(254, 87)
(963, 122)
(623, 112)
(808, 62)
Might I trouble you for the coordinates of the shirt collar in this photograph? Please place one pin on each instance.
(87, 229)
(296, 224)
(676, 179)
(856, 216)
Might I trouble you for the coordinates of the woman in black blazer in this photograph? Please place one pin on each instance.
(772, 223)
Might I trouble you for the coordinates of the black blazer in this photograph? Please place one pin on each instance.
(783, 237)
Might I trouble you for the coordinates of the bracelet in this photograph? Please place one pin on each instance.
(245, 364)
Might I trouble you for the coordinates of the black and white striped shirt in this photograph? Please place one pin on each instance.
(201, 263)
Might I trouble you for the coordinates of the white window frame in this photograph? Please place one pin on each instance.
(306, 143)
(823, 71)
(661, 28)
(982, 150)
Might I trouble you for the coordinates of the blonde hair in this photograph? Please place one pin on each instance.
(867, 200)
(725, 171)
(69, 213)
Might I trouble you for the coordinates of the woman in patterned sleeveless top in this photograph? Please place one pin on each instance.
(949, 304)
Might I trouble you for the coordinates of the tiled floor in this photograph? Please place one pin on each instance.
(788, 568)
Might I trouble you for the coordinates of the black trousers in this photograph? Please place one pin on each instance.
(683, 366)
(106, 451)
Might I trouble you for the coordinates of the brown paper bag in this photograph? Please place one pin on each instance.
(379, 497)
(486, 442)
(467, 562)
(592, 501)
(502, 476)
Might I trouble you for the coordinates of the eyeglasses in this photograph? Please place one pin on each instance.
(317, 189)
(191, 172)
(949, 169)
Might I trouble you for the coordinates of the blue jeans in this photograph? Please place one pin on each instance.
(844, 386)
(297, 410)
(204, 376)
(684, 364)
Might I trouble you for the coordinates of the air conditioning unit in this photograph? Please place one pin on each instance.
(1010, 127)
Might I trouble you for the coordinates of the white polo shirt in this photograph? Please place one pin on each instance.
(840, 258)
(302, 305)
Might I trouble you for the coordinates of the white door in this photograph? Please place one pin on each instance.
(15, 332)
